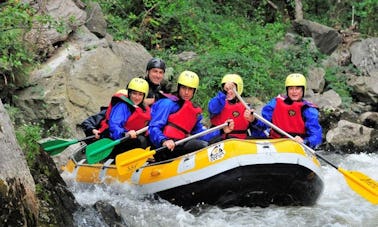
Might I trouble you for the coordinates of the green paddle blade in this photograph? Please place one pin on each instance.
(54, 147)
(99, 150)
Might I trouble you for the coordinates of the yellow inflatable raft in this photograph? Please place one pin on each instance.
(234, 172)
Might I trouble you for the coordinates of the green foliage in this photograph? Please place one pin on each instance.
(366, 16)
(27, 136)
(336, 80)
(344, 14)
(15, 18)
(244, 48)
(56, 129)
(228, 36)
(12, 112)
(16, 54)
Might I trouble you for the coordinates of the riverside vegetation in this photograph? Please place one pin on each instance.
(227, 36)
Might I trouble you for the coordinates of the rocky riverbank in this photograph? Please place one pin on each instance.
(72, 85)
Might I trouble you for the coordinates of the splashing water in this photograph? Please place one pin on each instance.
(339, 205)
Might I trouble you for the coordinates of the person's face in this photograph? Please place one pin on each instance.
(229, 88)
(156, 75)
(295, 93)
(136, 97)
(186, 93)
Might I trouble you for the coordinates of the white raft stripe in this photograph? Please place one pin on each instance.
(212, 170)
(77, 166)
(104, 169)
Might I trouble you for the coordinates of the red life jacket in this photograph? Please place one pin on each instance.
(235, 112)
(118, 97)
(138, 119)
(181, 123)
(288, 118)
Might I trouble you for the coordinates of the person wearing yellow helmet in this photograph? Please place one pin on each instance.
(97, 124)
(158, 86)
(175, 119)
(225, 105)
(129, 116)
(293, 114)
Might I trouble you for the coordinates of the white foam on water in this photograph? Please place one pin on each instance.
(339, 205)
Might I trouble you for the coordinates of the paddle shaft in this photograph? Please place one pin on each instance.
(131, 160)
(140, 131)
(118, 141)
(195, 136)
(126, 137)
(66, 144)
(281, 131)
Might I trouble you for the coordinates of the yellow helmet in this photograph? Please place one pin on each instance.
(138, 84)
(295, 79)
(189, 79)
(122, 92)
(234, 78)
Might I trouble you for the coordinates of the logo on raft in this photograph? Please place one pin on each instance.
(216, 152)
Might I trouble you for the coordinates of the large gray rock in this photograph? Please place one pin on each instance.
(18, 205)
(365, 56)
(96, 22)
(326, 39)
(315, 79)
(329, 100)
(45, 37)
(365, 88)
(80, 78)
(348, 132)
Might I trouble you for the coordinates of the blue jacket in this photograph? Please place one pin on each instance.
(310, 115)
(118, 117)
(216, 104)
(160, 112)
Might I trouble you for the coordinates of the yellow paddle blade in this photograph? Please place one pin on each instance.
(132, 160)
(362, 184)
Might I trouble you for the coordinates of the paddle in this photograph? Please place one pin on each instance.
(134, 159)
(359, 182)
(102, 148)
(56, 146)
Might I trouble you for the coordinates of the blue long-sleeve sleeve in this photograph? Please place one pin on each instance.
(313, 129)
(118, 116)
(216, 104)
(160, 112)
(267, 110)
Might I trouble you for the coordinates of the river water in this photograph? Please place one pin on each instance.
(339, 205)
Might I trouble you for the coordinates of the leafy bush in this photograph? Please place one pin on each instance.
(15, 18)
(244, 48)
(336, 80)
(17, 55)
(344, 14)
(27, 136)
